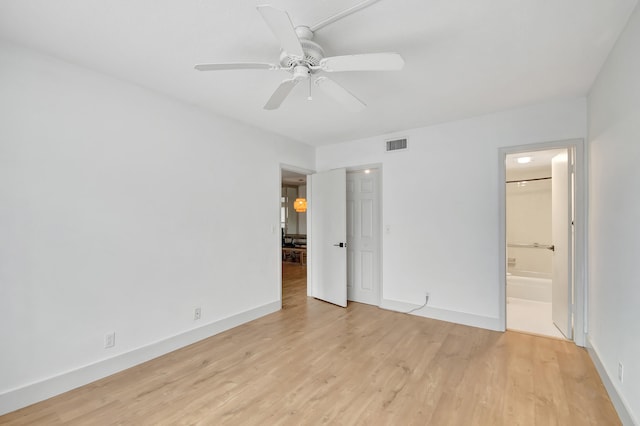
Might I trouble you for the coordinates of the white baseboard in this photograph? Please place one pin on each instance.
(626, 417)
(463, 318)
(21, 397)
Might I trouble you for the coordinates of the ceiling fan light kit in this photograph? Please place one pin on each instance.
(304, 58)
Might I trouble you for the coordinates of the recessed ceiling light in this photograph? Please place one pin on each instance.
(523, 160)
(367, 171)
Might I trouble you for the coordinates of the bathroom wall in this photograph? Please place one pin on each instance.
(529, 221)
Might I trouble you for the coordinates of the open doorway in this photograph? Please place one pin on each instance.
(293, 232)
(542, 240)
(533, 267)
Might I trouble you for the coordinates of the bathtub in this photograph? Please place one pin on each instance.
(530, 288)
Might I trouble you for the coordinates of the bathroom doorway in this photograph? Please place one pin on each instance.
(543, 237)
(530, 184)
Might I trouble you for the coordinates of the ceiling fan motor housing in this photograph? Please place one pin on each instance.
(301, 72)
(313, 53)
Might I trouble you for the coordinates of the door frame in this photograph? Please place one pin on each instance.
(580, 290)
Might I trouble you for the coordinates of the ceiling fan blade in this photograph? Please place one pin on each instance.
(364, 62)
(340, 94)
(236, 66)
(281, 26)
(280, 94)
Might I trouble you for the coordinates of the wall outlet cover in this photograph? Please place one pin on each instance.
(620, 371)
(110, 340)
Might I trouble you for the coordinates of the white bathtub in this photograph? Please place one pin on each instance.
(538, 289)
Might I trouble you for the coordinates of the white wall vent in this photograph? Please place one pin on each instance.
(396, 144)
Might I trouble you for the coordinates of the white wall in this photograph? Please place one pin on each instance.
(290, 193)
(528, 218)
(302, 217)
(118, 214)
(614, 210)
(440, 202)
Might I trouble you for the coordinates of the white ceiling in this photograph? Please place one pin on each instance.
(463, 57)
(540, 162)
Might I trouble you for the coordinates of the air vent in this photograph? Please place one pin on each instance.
(396, 144)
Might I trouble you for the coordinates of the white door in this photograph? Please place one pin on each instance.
(561, 232)
(327, 245)
(363, 225)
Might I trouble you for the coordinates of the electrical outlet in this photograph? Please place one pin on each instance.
(110, 340)
(620, 371)
(197, 314)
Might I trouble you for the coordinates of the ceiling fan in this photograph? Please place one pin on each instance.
(304, 59)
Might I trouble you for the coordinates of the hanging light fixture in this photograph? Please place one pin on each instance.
(300, 205)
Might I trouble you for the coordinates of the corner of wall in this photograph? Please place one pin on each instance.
(463, 318)
(619, 403)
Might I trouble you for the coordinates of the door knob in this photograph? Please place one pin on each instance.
(340, 245)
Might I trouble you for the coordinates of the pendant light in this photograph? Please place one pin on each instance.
(300, 205)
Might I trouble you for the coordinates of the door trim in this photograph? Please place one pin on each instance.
(580, 324)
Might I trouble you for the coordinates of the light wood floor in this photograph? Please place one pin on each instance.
(315, 363)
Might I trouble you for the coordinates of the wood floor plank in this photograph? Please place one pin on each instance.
(316, 363)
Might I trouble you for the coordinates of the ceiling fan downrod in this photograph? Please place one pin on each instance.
(343, 14)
